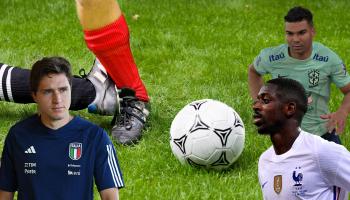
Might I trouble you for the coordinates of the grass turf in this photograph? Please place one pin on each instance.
(185, 50)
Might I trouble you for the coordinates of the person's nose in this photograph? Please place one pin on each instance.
(57, 97)
(256, 105)
(295, 38)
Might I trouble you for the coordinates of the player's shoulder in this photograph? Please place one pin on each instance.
(323, 53)
(272, 54)
(266, 155)
(90, 129)
(84, 124)
(26, 124)
(317, 144)
(310, 138)
(274, 50)
(326, 154)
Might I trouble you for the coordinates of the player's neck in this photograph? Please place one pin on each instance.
(56, 124)
(300, 56)
(284, 140)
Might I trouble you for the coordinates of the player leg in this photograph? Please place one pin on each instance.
(107, 36)
(15, 87)
(14, 84)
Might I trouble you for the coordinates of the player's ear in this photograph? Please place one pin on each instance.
(34, 96)
(290, 109)
(313, 31)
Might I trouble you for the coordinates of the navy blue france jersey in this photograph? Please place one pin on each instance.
(41, 163)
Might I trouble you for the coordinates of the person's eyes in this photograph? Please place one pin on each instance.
(266, 101)
(62, 90)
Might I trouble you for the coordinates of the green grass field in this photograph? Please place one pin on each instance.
(185, 50)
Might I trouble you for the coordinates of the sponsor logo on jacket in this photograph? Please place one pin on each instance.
(320, 58)
(276, 57)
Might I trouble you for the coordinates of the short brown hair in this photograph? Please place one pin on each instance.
(46, 66)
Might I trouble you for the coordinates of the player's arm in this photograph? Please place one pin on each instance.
(109, 194)
(95, 14)
(255, 81)
(6, 195)
(107, 173)
(337, 119)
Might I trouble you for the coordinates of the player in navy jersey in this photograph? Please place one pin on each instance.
(298, 165)
(52, 154)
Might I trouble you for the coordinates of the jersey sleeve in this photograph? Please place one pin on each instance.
(339, 75)
(334, 161)
(260, 62)
(8, 180)
(107, 171)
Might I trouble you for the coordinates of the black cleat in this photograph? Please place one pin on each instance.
(131, 120)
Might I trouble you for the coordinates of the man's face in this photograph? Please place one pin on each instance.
(53, 98)
(299, 36)
(268, 116)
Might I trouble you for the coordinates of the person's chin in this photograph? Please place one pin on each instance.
(298, 50)
(59, 115)
(262, 130)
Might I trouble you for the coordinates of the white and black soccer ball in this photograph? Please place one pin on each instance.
(207, 133)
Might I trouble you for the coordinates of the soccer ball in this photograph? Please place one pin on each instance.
(207, 133)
